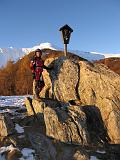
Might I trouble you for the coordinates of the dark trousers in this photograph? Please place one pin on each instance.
(37, 87)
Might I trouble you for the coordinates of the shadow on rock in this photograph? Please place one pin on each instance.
(96, 128)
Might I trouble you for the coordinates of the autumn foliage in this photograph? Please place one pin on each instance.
(16, 78)
(111, 63)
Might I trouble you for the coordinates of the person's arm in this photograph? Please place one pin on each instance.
(32, 67)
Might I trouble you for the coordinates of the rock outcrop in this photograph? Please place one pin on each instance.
(63, 122)
(80, 103)
(100, 87)
(6, 125)
(66, 126)
(76, 118)
(91, 84)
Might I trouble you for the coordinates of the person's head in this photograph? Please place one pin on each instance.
(38, 53)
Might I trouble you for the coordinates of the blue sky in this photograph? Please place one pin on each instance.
(96, 23)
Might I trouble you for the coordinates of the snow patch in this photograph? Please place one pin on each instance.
(1, 51)
(6, 149)
(11, 47)
(89, 55)
(26, 50)
(21, 136)
(107, 55)
(93, 158)
(7, 111)
(17, 101)
(19, 129)
(100, 151)
(27, 154)
(112, 55)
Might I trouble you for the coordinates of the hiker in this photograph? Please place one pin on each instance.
(37, 66)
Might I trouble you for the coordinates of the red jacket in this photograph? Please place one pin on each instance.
(37, 65)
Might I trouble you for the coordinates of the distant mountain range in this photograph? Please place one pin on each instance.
(17, 53)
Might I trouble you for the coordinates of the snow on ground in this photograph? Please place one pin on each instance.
(98, 151)
(93, 158)
(27, 154)
(19, 129)
(7, 110)
(4, 150)
(8, 148)
(17, 101)
(12, 104)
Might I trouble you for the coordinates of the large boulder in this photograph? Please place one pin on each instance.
(66, 124)
(62, 82)
(6, 125)
(92, 84)
(33, 106)
(36, 106)
(100, 87)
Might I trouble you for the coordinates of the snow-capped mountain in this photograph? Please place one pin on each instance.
(40, 46)
(17, 53)
(9, 54)
(92, 56)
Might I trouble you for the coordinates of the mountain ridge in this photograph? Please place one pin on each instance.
(15, 54)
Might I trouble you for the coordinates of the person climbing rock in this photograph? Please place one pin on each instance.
(37, 66)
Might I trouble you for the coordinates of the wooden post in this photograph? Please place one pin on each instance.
(65, 50)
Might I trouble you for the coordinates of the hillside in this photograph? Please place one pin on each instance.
(112, 63)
